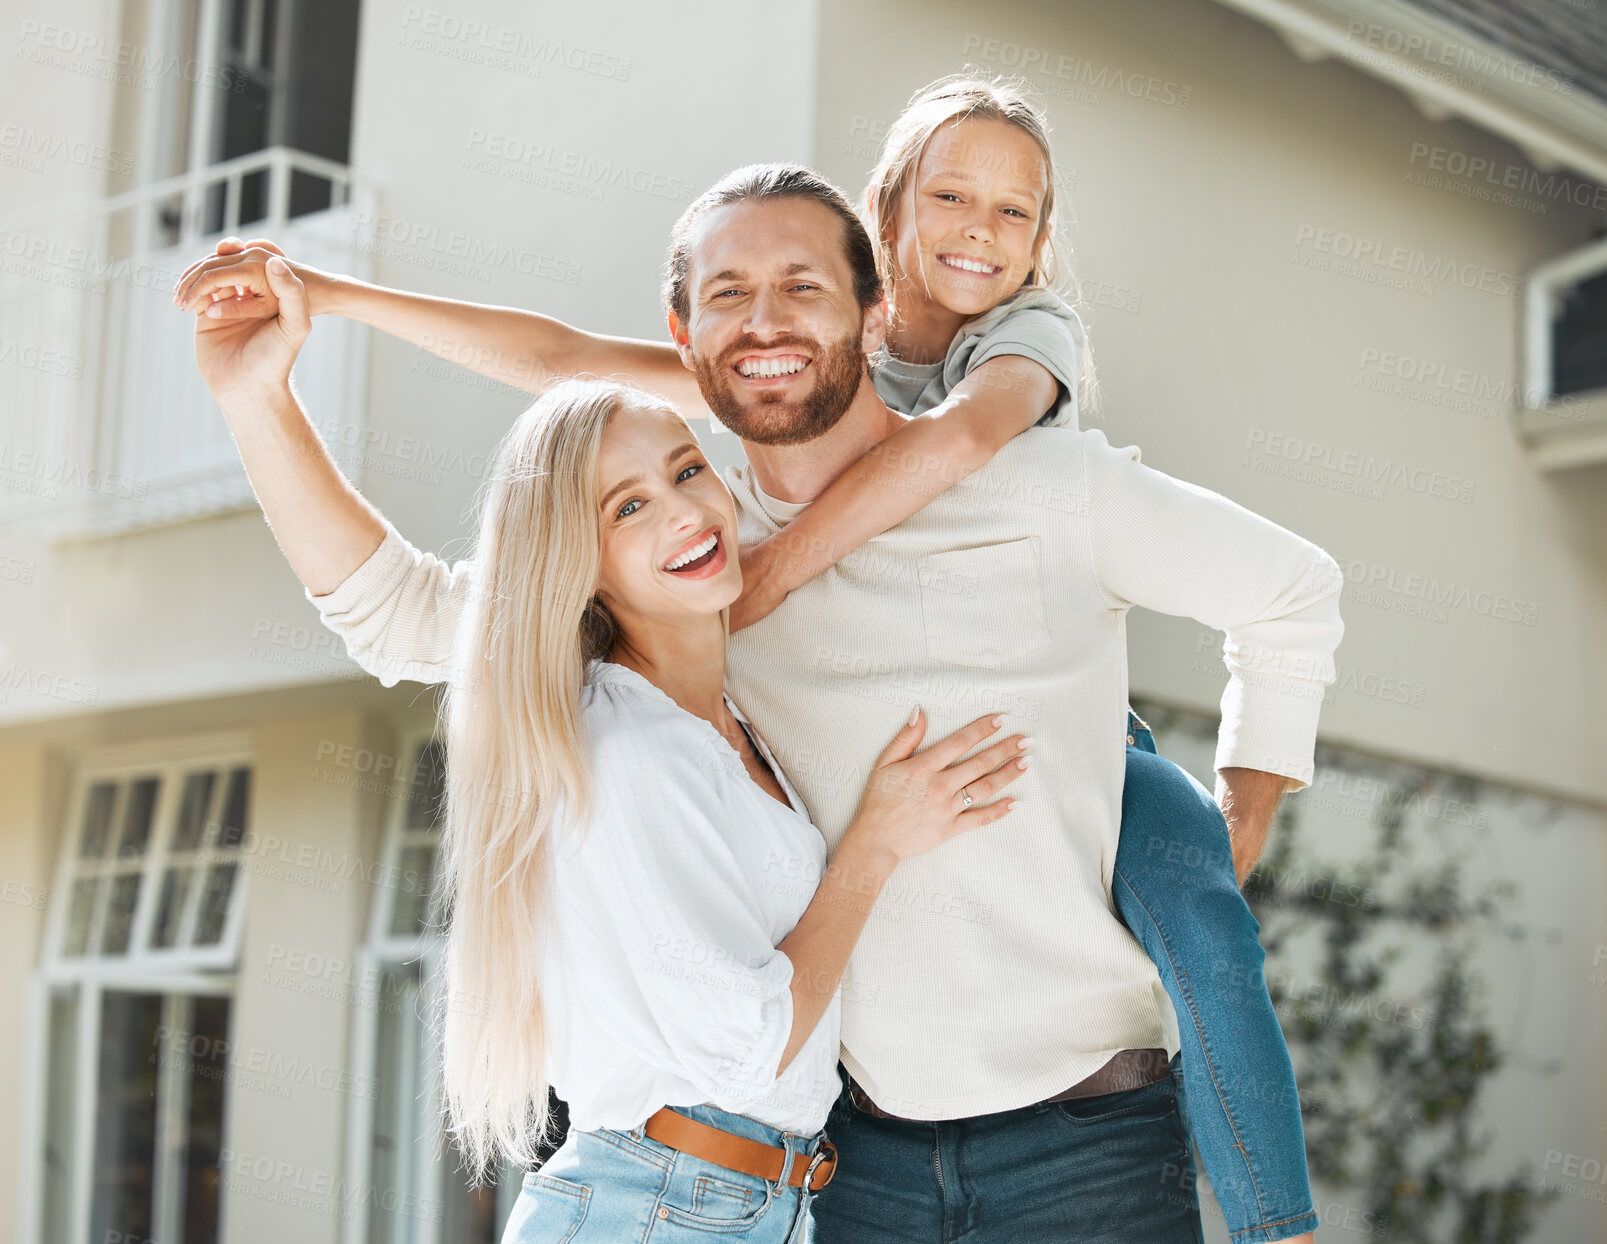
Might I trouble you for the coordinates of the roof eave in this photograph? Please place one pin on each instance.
(1554, 128)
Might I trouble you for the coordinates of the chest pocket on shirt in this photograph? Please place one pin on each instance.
(984, 606)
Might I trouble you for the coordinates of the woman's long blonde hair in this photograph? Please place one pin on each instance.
(958, 97)
(516, 763)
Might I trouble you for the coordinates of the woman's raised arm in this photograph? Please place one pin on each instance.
(324, 526)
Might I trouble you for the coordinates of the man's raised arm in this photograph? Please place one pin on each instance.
(1181, 549)
(519, 348)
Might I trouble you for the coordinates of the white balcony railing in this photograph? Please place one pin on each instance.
(105, 425)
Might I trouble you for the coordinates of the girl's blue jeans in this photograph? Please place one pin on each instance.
(606, 1186)
(1175, 888)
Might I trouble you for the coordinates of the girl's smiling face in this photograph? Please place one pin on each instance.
(970, 225)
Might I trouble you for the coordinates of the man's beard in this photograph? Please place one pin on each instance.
(769, 419)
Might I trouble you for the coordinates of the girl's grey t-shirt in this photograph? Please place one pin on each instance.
(1035, 323)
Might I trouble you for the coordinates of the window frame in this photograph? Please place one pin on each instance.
(380, 953)
(1560, 431)
(172, 765)
(90, 977)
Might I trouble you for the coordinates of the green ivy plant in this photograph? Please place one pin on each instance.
(1388, 1098)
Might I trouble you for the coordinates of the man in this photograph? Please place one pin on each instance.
(997, 1012)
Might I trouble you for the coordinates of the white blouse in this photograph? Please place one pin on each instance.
(663, 983)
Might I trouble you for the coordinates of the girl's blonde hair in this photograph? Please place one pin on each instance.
(958, 97)
(516, 762)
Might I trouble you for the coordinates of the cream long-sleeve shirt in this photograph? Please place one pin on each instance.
(994, 970)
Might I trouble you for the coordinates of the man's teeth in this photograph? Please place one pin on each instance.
(970, 265)
(692, 554)
(771, 367)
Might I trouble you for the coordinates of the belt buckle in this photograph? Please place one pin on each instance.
(826, 1149)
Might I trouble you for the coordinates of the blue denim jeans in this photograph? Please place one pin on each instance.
(1112, 1169)
(607, 1186)
(1175, 888)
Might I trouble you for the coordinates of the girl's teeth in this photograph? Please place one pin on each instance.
(966, 265)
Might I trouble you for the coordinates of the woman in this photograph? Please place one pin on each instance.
(629, 878)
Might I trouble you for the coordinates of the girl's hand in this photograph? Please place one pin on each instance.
(241, 357)
(761, 586)
(914, 802)
(232, 282)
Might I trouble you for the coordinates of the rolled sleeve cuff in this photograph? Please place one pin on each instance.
(1065, 400)
(753, 1074)
(1269, 722)
(367, 586)
(376, 612)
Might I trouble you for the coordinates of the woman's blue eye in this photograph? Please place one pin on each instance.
(625, 511)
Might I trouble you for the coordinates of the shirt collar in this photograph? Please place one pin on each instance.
(781, 512)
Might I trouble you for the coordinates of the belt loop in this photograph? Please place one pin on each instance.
(787, 1161)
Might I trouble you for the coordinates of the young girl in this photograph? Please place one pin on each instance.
(961, 207)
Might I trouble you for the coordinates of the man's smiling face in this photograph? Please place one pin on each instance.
(774, 334)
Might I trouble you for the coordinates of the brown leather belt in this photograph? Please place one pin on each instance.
(740, 1153)
(1127, 1069)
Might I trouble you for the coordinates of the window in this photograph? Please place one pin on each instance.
(188, 883)
(1565, 361)
(294, 61)
(134, 998)
(1579, 339)
(397, 1144)
(256, 139)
